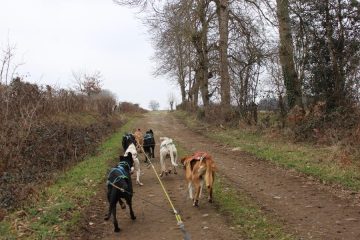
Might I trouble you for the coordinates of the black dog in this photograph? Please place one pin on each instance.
(128, 139)
(149, 143)
(120, 186)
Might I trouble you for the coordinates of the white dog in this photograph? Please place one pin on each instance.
(133, 151)
(167, 149)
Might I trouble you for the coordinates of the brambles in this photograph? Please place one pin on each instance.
(44, 130)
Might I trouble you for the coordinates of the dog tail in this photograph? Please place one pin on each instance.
(209, 174)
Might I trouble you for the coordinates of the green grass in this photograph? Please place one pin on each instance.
(245, 215)
(315, 161)
(59, 207)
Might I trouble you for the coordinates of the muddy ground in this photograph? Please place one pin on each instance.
(306, 208)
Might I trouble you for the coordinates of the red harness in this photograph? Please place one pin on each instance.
(199, 156)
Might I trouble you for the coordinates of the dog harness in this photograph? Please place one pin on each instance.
(148, 140)
(166, 144)
(199, 156)
(122, 172)
(148, 136)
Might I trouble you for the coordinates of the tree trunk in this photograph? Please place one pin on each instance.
(223, 18)
(338, 95)
(201, 46)
(182, 87)
(286, 54)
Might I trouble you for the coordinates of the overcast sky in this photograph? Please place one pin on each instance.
(55, 37)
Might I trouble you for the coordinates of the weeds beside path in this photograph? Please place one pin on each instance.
(57, 210)
(320, 162)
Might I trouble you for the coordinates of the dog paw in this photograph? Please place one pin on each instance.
(106, 218)
(210, 200)
(117, 230)
(139, 183)
(133, 217)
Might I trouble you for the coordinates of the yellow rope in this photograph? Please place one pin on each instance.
(177, 215)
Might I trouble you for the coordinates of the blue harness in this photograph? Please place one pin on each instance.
(148, 136)
(122, 172)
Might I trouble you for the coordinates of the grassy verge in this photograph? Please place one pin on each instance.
(58, 208)
(320, 162)
(245, 216)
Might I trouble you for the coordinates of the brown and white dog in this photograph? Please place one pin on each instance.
(199, 167)
(139, 139)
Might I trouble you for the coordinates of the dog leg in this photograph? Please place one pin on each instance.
(115, 222)
(162, 163)
(173, 157)
(201, 188)
(122, 204)
(138, 178)
(146, 153)
(112, 209)
(190, 190)
(107, 216)
(153, 151)
(197, 192)
(137, 170)
(129, 203)
(210, 190)
(210, 194)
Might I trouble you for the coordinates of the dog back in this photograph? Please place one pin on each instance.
(149, 139)
(198, 165)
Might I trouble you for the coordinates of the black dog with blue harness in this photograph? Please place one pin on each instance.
(120, 186)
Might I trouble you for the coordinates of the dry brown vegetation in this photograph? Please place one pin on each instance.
(339, 129)
(44, 130)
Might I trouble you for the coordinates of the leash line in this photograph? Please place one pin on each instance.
(180, 223)
(145, 200)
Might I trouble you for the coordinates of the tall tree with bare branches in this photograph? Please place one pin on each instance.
(286, 53)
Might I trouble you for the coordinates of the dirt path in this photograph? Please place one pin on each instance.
(306, 208)
(155, 219)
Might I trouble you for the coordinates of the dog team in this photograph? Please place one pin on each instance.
(199, 169)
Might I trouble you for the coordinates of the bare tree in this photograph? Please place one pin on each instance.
(286, 52)
(223, 18)
(88, 83)
(154, 105)
(171, 100)
(172, 43)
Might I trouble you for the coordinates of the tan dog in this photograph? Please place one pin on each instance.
(139, 139)
(199, 167)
